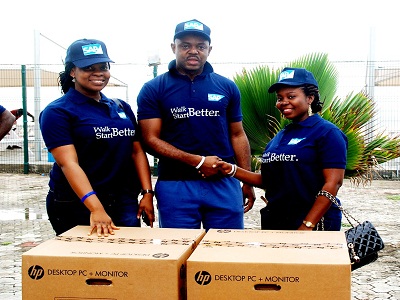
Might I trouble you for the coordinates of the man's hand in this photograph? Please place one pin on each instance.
(248, 197)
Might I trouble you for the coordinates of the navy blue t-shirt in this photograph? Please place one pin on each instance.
(195, 115)
(293, 161)
(102, 133)
(2, 109)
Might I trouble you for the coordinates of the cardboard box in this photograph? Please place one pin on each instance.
(135, 263)
(263, 264)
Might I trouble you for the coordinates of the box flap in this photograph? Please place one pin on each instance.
(132, 242)
(289, 247)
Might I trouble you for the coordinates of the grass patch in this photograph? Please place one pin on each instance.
(394, 197)
(346, 225)
(6, 243)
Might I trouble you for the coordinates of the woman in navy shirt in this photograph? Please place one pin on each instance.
(303, 164)
(100, 165)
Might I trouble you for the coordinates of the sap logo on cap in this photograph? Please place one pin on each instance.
(215, 97)
(92, 49)
(193, 25)
(286, 74)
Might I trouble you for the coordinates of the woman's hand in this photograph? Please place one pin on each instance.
(101, 222)
(305, 228)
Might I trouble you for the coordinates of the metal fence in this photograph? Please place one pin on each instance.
(23, 150)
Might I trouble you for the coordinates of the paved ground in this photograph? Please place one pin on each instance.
(24, 224)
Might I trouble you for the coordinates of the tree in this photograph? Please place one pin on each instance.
(367, 146)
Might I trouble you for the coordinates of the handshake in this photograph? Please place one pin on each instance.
(225, 168)
(213, 165)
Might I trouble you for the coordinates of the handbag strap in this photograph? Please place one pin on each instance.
(333, 199)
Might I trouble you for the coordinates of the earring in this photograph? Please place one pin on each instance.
(310, 113)
(73, 79)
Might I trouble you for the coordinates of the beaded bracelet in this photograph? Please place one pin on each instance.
(87, 195)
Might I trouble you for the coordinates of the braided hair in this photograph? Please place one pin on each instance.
(312, 90)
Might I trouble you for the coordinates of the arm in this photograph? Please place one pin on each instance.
(151, 129)
(6, 122)
(67, 159)
(241, 148)
(333, 181)
(30, 115)
(143, 170)
(248, 177)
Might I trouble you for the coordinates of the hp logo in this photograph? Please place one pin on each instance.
(202, 278)
(36, 272)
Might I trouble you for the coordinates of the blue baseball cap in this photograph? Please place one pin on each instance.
(85, 52)
(194, 27)
(293, 77)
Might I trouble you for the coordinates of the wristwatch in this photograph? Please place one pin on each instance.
(308, 224)
(146, 192)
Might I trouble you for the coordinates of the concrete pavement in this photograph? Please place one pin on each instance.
(24, 224)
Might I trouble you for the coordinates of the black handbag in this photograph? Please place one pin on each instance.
(364, 243)
(363, 240)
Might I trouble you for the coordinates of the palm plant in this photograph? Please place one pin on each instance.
(354, 114)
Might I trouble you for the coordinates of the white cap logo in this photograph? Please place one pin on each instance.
(193, 25)
(92, 49)
(286, 75)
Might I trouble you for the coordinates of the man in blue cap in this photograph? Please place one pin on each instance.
(190, 118)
